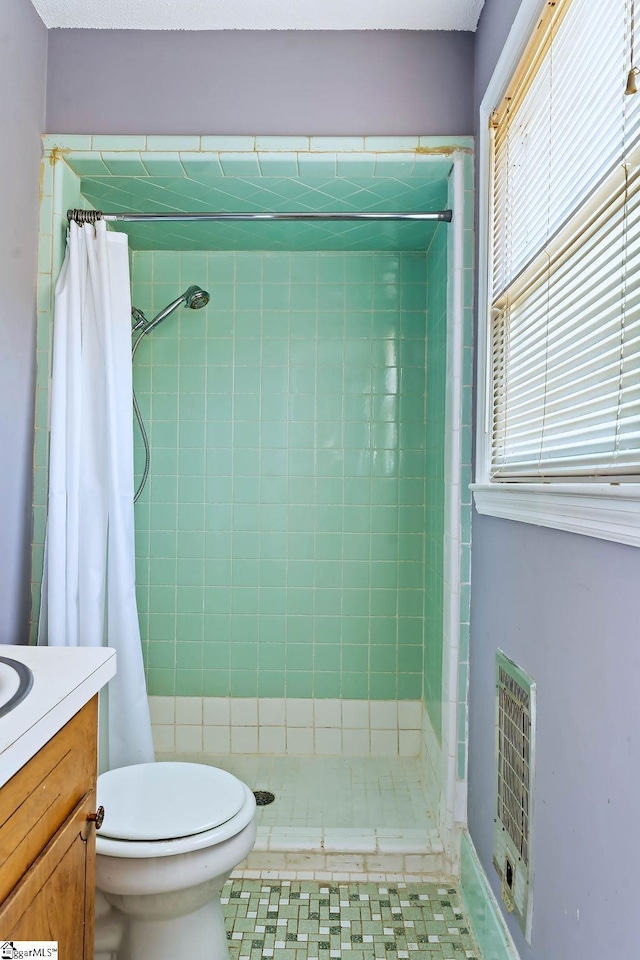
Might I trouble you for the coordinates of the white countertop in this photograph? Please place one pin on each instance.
(64, 679)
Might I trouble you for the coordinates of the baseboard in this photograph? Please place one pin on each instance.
(487, 924)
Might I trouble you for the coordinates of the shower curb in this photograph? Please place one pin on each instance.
(340, 853)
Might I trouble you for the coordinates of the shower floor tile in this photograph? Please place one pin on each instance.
(306, 920)
(338, 817)
(335, 793)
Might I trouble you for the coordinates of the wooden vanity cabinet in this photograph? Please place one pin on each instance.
(47, 842)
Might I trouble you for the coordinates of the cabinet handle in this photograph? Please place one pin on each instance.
(97, 817)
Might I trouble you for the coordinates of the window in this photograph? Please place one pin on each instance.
(560, 282)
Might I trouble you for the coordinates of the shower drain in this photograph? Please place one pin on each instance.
(263, 797)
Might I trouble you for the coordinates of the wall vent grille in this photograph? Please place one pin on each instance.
(514, 753)
(515, 711)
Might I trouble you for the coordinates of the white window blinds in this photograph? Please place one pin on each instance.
(566, 254)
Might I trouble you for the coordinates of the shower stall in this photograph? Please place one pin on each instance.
(302, 512)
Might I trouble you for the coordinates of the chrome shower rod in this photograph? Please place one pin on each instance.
(91, 216)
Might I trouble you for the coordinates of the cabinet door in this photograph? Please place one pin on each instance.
(41, 796)
(55, 898)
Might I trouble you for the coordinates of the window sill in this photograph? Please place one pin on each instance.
(595, 510)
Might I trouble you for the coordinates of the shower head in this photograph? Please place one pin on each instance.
(195, 297)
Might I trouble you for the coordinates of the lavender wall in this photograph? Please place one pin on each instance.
(566, 608)
(23, 51)
(260, 82)
(493, 29)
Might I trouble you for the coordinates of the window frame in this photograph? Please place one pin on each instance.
(608, 511)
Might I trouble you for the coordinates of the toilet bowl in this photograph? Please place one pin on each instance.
(171, 836)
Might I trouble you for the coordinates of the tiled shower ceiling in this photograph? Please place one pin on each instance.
(245, 183)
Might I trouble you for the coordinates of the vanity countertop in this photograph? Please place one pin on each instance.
(64, 679)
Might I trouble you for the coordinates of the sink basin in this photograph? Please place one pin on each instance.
(16, 679)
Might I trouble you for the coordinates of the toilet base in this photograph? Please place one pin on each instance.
(200, 935)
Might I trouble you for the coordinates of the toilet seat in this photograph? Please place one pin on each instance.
(164, 801)
(167, 808)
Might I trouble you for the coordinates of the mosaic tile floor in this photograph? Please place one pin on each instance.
(306, 920)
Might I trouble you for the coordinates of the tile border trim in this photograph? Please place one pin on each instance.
(479, 903)
(277, 726)
(425, 146)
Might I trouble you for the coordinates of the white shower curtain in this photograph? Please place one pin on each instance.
(88, 589)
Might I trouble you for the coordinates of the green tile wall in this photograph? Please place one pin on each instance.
(434, 516)
(281, 537)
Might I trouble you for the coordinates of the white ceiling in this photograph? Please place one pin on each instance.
(261, 14)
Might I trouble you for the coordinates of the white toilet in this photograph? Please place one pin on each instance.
(171, 836)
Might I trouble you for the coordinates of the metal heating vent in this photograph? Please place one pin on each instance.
(515, 702)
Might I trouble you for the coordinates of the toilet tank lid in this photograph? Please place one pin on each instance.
(166, 800)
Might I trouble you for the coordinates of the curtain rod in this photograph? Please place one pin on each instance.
(91, 216)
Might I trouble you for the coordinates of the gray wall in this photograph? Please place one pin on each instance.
(493, 29)
(566, 608)
(23, 52)
(260, 82)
